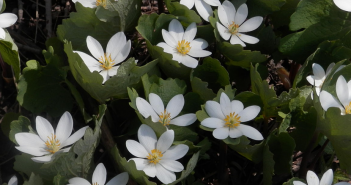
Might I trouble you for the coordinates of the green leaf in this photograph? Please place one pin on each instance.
(9, 54)
(201, 88)
(268, 165)
(17, 126)
(34, 180)
(263, 7)
(184, 133)
(167, 89)
(251, 152)
(182, 12)
(6, 122)
(189, 168)
(282, 17)
(60, 180)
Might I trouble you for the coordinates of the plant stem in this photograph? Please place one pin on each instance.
(307, 154)
(223, 172)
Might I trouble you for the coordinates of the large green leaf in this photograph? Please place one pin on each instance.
(189, 168)
(34, 180)
(9, 54)
(263, 7)
(182, 12)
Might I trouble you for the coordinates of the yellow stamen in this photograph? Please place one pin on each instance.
(348, 109)
(232, 120)
(101, 2)
(233, 28)
(106, 62)
(165, 118)
(52, 144)
(155, 156)
(183, 47)
(95, 183)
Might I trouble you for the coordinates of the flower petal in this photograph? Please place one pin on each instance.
(1, 4)
(166, 48)
(189, 61)
(74, 137)
(237, 106)
(235, 40)
(222, 15)
(95, 47)
(104, 75)
(99, 175)
(169, 39)
(318, 71)
(36, 151)
(136, 149)
(29, 139)
(165, 141)
(13, 180)
(310, 79)
(78, 181)
(248, 39)
(190, 32)
(120, 179)
(235, 133)
(327, 101)
(349, 87)
(343, 4)
(115, 44)
(2, 33)
(113, 71)
(223, 31)
(249, 113)
(250, 132)
(213, 109)
(140, 163)
(298, 183)
(176, 30)
(312, 178)
(90, 62)
(241, 14)
(150, 170)
(147, 137)
(342, 90)
(156, 103)
(7, 19)
(184, 120)
(251, 24)
(329, 68)
(175, 152)
(164, 175)
(172, 165)
(203, 9)
(226, 107)
(64, 127)
(327, 177)
(226, 13)
(123, 54)
(199, 53)
(175, 105)
(86, 3)
(221, 133)
(199, 43)
(146, 109)
(213, 2)
(43, 159)
(188, 3)
(213, 123)
(44, 128)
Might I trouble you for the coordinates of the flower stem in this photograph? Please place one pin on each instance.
(306, 156)
(223, 172)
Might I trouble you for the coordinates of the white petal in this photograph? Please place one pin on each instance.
(222, 15)
(251, 24)
(343, 4)
(249, 113)
(29, 139)
(175, 105)
(226, 13)
(95, 47)
(250, 132)
(184, 120)
(136, 149)
(113, 71)
(199, 53)
(123, 54)
(2, 33)
(199, 43)
(99, 175)
(147, 137)
(120, 179)
(164, 175)
(213, 123)
(213, 2)
(318, 71)
(90, 62)
(156, 103)
(169, 39)
(342, 90)
(237, 106)
(165, 141)
(74, 137)
(221, 133)
(188, 3)
(140, 163)
(310, 79)
(172, 165)
(312, 178)
(319, 83)
(176, 30)
(86, 3)
(223, 31)
(214, 109)
(298, 183)
(190, 32)
(64, 127)
(226, 107)
(329, 68)
(349, 87)
(203, 9)
(150, 170)
(44, 128)
(42, 159)
(175, 152)
(13, 180)
(235, 133)
(36, 151)
(327, 177)
(166, 47)
(327, 100)
(241, 14)
(7, 19)
(1, 4)
(104, 75)
(78, 181)
(115, 44)
(189, 61)
(235, 40)
(145, 109)
(248, 39)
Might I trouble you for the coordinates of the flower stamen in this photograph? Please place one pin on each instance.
(52, 144)
(155, 156)
(106, 62)
(233, 28)
(183, 47)
(232, 120)
(348, 109)
(101, 2)
(165, 118)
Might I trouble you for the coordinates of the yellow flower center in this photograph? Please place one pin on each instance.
(95, 183)
(348, 109)
(233, 28)
(155, 156)
(165, 118)
(106, 62)
(183, 47)
(52, 144)
(101, 2)
(232, 120)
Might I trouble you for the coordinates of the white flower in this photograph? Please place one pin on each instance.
(183, 46)
(6, 20)
(13, 181)
(157, 157)
(343, 91)
(99, 178)
(49, 142)
(166, 116)
(203, 7)
(312, 179)
(227, 116)
(343, 4)
(318, 77)
(234, 25)
(105, 63)
(92, 3)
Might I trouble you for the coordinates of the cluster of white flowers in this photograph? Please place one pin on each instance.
(327, 179)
